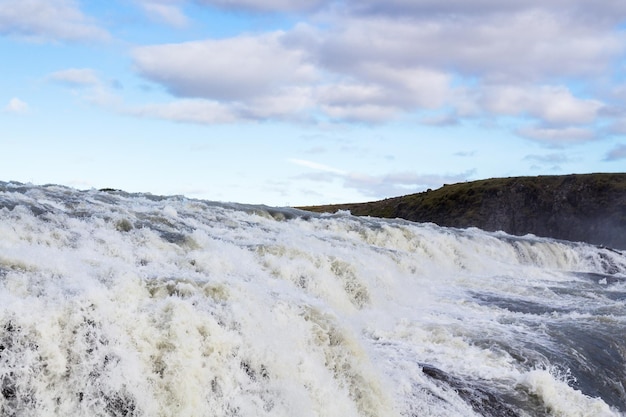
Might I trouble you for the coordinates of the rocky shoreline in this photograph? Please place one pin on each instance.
(579, 207)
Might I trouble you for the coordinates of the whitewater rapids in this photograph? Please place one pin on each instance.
(116, 304)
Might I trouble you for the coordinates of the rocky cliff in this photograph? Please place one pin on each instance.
(589, 207)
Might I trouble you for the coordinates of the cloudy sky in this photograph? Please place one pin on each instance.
(290, 102)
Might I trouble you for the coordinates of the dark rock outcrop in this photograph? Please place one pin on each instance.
(587, 207)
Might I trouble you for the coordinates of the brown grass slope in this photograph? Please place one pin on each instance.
(580, 207)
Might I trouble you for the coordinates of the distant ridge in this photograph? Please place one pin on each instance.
(578, 207)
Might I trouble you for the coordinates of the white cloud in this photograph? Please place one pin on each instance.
(358, 102)
(166, 12)
(348, 94)
(557, 136)
(205, 111)
(442, 119)
(267, 76)
(376, 61)
(379, 186)
(48, 20)
(400, 183)
(412, 86)
(88, 86)
(266, 5)
(76, 77)
(188, 111)
(95, 92)
(550, 162)
(465, 154)
(288, 103)
(16, 105)
(553, 158)
(384, 92)
(553, 104)
(284, 104)
(605, 12)
(421, 61)
(617, 153)
(365, 112)
(317, 166)
(491, 47)
(254, 77)
(227, 69)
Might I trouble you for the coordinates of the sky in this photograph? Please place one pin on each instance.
(302, 102)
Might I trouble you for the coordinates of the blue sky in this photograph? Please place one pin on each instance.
(308, 101)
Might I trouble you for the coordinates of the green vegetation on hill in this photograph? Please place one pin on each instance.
(585, 207)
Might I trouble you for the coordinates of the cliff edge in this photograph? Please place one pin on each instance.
(579, 207)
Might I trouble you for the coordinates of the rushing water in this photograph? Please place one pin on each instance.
(115, 304)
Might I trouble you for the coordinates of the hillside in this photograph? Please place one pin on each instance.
(586, 207)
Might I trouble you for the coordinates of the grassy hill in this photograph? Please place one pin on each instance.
(586, 207)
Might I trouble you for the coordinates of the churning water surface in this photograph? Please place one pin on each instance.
(115, 304)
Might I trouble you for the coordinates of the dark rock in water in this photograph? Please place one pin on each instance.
(119, 405)
(481, 400)
(589, 208)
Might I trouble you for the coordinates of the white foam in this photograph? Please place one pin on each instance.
(182, 308)
(561, 400)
